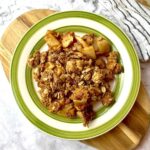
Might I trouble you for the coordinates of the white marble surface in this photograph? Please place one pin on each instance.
(16, 132)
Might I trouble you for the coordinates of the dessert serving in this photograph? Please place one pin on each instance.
(75, 73)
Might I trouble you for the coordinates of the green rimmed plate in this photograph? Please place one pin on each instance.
(125, 90)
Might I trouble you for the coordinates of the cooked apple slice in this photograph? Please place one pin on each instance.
(101, 45)
(51, 40)
(81, 41)
(67, 39)
(89, 51)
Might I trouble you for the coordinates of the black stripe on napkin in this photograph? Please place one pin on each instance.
(138, 11)
(140, 26)
(129, 28)
(142, 9)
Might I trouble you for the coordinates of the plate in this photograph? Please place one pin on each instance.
(125, 89)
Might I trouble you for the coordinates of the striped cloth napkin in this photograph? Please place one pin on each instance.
(133, 18)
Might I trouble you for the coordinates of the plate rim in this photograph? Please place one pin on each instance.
(97, 16)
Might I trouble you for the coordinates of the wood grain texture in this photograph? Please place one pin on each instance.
(145, 2)
(128, 134)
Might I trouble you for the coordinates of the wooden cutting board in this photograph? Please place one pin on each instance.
(128, 134)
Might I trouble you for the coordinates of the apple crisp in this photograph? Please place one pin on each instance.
(75, 73)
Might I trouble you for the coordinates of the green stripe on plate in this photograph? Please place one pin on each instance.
(91, 132)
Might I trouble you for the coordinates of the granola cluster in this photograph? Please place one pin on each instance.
(75, 73)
